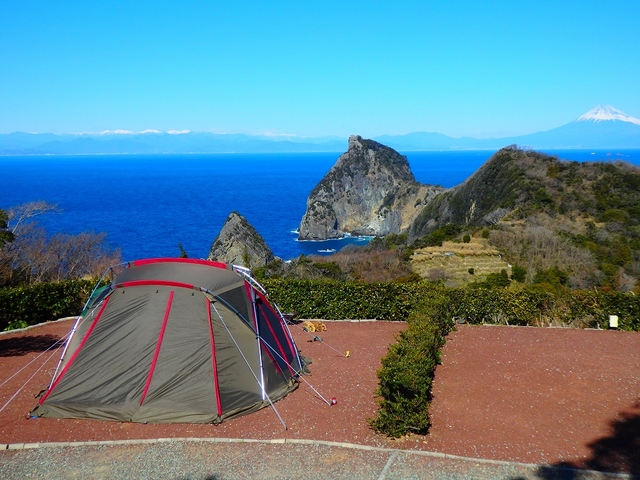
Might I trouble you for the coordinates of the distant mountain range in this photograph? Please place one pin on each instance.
(601, 127)
(19, 143)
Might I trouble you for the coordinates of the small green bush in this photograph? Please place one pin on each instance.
(553, 276)
(498, 280)
(449, 232)
(518, 273)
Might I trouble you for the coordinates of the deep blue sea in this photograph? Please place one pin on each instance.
(148, 204)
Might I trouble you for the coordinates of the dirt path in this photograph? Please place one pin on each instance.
(547, 396)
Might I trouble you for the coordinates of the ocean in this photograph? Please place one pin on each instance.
(148, 204)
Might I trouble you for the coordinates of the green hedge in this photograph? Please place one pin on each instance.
(24, 306)
(348, 300)
(499, 306)
(592, 309)
(396, 301)
(408, 369)
(580, 309)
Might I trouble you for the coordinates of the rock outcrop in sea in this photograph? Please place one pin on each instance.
(238, 243)
(369, 191)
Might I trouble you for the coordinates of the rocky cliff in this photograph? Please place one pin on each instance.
(369, 191)
(238, 243)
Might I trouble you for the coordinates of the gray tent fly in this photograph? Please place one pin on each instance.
(174, 341)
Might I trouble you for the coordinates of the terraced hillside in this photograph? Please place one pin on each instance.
(452, 262)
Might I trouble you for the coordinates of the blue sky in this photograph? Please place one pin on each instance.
(313, 68)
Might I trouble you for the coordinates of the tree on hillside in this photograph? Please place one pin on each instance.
(20, 217)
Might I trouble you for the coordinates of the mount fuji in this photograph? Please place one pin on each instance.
(601, 127)
(606, 112)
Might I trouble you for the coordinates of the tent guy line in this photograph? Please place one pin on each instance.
(17, 392)
(261, 383)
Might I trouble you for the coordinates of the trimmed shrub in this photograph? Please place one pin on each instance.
(23, 306)
(407, 372)
(397, 301)
(592, 309)
(481, 305)
(347, 300)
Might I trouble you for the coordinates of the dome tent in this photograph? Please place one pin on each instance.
(174, 341)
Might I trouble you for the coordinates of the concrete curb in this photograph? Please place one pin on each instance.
(281, 441)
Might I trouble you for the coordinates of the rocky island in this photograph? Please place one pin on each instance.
(369, 191)
(238, 243)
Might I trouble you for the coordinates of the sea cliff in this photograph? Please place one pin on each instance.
(369, 191)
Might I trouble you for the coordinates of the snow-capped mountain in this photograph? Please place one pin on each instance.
(606, 112)
(601, 127)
